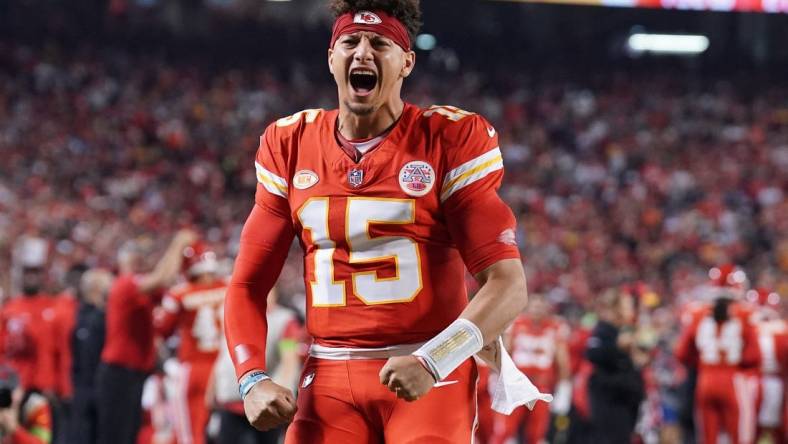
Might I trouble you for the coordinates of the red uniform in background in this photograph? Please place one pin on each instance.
(386, 242)
(487, 380)
(28, 340)
(533, 349)
(65, 310)
(727, 356)
(773, 343)
(195, 310)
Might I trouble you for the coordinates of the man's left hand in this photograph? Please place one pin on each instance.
(407, 377)
(8, 420)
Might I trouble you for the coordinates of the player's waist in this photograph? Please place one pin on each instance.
(348, 353)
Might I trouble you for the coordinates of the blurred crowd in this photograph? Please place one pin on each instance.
(635, 185)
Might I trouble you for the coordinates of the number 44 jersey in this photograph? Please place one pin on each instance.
(387, 239)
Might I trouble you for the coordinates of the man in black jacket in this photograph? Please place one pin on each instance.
(87, 342)
(615, 388)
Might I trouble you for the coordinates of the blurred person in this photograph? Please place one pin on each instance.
(28, 336)
(538, 343)
(727, 280)
(391, 203)
(772, 331)
(129, 355)
(65, 306)
(282, 356)
(579, 429)
(25, 416)
(87, 341)
(615, 384)
(194, 310)
(720, 342)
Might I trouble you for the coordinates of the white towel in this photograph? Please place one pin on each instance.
(513, 388)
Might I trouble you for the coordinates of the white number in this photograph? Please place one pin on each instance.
(450, 112)
(712, 343)
(206, 328)
(314, 217)
(367, 286)
(311, 115)
(534, 351)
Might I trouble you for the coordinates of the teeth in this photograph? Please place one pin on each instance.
(363, 71)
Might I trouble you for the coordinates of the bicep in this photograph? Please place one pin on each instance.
(483, 228)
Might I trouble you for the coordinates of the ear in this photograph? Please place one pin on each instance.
(330, 59)
(410, 63)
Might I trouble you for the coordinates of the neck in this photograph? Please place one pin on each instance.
(354, 126)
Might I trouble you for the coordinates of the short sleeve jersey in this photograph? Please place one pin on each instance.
(130, 333)
(534, 345)
(196, 310)
(730, 345)
(387, 239)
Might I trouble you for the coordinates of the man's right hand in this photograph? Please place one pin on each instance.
(269, 405)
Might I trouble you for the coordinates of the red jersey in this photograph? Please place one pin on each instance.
(28, 340)
(729, 345)
(196, 311)
(386, 240)
(130, 334)
(65, 308)
(533, 347)
(773, 344)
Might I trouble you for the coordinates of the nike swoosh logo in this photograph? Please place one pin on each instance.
(442, 383)
(491, 132)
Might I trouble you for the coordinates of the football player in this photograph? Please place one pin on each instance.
(194, 308)
(538, 342)
(390, 203)
(721, 342)
(773, 343)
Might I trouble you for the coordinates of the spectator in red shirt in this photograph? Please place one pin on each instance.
(27, 340)
(129, 353)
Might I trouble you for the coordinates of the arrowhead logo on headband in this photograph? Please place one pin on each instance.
(366, 17)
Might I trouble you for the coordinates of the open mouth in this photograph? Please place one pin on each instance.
(363, 81)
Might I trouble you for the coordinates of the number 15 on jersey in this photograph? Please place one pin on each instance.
(362, 248)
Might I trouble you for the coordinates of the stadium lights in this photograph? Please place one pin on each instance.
(668, 43)
(426, 42)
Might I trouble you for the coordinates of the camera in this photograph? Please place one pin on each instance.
(8, 382)
(5, 397)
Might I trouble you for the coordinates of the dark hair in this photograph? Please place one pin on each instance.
(720, 311)
(406, 11)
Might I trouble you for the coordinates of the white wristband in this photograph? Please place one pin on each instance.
(451, 347)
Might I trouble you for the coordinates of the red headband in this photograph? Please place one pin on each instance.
(378, 22)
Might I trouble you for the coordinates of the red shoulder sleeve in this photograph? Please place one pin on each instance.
(481, 224)
(166, 316)
(751, 356)
(265, 242)
(271, 171)
(685, 350)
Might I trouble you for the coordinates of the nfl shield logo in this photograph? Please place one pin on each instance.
(355, 177)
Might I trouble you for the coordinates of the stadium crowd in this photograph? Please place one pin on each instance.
(637, 181)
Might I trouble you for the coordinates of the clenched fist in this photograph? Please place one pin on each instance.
(407, 377)
(269, 405)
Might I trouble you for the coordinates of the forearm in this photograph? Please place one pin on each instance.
(502, 296)
(167, 268)
(265, 242)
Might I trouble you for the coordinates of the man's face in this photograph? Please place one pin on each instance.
(368, 69)
(32, 281)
